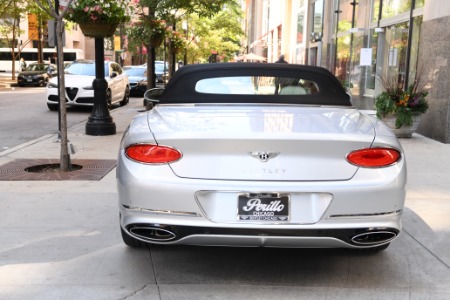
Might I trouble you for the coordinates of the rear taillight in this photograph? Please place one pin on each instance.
(374, 157)
(152, 154)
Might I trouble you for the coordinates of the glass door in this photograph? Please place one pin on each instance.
(395, 54)
(375, 41)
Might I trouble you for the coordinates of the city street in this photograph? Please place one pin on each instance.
(24, 116)
(61, 240)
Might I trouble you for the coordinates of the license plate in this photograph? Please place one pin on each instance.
(29, 80)
(263, 207)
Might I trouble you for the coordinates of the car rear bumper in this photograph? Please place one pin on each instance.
(362, 212)
(329, 234)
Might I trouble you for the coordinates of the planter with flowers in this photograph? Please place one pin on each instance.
(99, 18)
(401, 109)
(177, 42)
(157, 32)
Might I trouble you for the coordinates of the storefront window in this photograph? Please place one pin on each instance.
(346, 48)
(420, 3)
(395, 54)
(393, 7)
(343, 58)
(371, 71)
(355, 76)
(317, 26)
(414, 70)
(300, 27)
(376, 10)
(345, 15)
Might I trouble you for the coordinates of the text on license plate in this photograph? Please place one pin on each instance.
(263, 207)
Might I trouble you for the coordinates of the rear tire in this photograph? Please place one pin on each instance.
(131, 241)
(126, 97)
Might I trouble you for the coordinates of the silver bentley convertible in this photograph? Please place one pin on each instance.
(264, 155)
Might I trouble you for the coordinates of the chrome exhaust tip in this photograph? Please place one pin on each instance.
(151, 233)
(373, 237)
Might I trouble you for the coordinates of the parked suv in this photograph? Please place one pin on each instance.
(79, 77)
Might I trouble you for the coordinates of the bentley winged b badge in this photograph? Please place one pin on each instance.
(263, 155)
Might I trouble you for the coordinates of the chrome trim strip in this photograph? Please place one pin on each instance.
(165, 212)
(395, 212)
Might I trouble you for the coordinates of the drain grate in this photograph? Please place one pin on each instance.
(91, 169)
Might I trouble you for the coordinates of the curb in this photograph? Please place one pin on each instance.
(26, 144)
(6, 81)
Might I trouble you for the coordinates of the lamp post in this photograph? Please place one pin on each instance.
(100, 122)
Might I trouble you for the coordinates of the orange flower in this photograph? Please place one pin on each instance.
(404, 101)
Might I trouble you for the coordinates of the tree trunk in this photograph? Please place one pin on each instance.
(64, 155)
(151, 74)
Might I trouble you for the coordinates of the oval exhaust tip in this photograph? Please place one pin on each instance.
(374, 237)
(152, 233)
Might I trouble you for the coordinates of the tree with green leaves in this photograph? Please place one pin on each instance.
(170, 11)
(221, 33)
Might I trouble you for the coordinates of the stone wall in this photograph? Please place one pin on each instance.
(434, 63)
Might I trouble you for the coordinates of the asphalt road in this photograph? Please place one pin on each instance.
(24, 116)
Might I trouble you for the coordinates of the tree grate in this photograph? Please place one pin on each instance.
(86, 169)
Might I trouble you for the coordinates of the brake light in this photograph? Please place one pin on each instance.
(374, 157)
(152, 154)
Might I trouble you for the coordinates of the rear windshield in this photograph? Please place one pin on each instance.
(248, 83)
(256, 85)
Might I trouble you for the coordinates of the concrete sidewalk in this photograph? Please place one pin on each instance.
(61, 240)
(6, 81)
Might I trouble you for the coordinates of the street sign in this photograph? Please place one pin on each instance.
(51, 34)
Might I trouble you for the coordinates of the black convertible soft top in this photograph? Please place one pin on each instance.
(182, 87)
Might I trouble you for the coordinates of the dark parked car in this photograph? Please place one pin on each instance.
(36, 74)
(137, 76)
(162, 73)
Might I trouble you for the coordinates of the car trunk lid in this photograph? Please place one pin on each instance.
(281, 143)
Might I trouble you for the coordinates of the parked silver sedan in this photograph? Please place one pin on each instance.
(264, 155)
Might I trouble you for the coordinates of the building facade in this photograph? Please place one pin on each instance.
(362, 42)
(74, 39)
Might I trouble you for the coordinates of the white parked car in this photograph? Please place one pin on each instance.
(79, 77)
